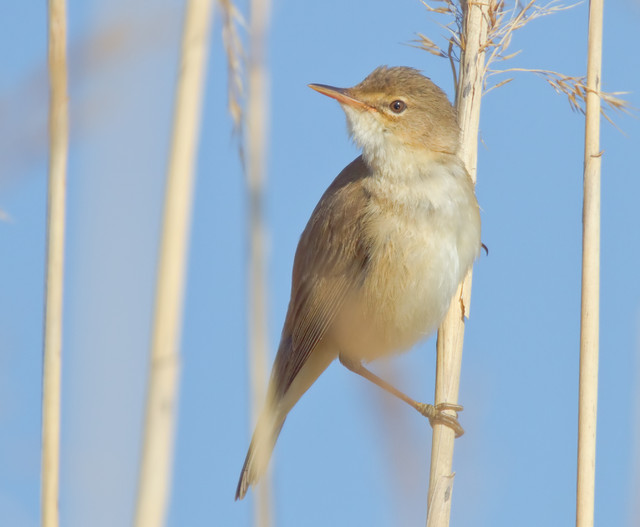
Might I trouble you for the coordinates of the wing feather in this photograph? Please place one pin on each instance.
(330, 263)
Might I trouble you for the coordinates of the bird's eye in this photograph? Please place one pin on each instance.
(397, 106)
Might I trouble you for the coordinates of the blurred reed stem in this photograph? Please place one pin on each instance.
(162, 392)
(52, 367)
(451, 332)
(257, 124)
(590, 309)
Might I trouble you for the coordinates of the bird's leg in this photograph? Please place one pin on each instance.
(435, 413)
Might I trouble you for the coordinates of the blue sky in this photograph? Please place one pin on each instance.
(348, 455)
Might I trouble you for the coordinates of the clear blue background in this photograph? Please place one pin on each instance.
(348, 454)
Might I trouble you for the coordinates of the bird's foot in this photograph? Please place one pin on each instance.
(436, 415)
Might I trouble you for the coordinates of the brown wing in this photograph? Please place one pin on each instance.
(331, 260)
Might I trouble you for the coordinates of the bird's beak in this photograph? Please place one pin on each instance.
(340, 94)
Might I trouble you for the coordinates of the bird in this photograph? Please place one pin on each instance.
(383, 252)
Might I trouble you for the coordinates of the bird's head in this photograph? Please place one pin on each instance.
(396, 111)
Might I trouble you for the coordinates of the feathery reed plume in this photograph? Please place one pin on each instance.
(503, 21)
(231, 19)
(155, 470)
(52, 368)
(590, 308)
(575, 89)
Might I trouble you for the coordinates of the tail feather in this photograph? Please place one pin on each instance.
(260, 450)
(282, 395)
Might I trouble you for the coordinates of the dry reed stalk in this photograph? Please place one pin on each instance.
(52, 368)
(451, 333)
(590, 309)
(257, 118)
(155, 470)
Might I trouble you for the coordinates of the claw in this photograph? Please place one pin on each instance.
(436, 414)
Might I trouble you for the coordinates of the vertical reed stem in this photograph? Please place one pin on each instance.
(52, 368)
(451, 332)
(589, 321)
(156, 465)
(257, 118)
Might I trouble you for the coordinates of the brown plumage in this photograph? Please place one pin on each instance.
(383, 251)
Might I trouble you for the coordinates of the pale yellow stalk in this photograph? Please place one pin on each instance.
(156, 464)
(590, 309)
(451, 332)
(52, 368)
(257, 123)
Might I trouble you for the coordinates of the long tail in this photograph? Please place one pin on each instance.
(260, 450)
(283, 393)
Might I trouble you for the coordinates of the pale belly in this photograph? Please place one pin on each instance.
(414, 273)
(423, 231)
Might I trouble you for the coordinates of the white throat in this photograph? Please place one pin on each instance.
(385, 154)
